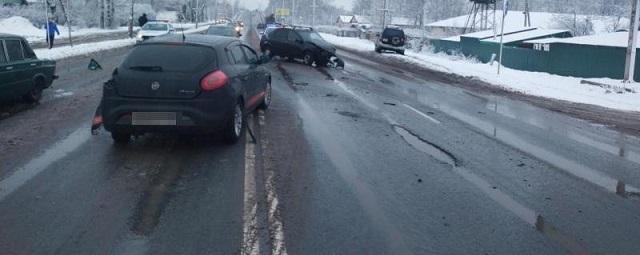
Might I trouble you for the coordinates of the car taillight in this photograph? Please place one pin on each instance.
(213, 81)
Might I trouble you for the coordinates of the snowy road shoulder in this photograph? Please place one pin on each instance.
(62, 52)
(530, 83)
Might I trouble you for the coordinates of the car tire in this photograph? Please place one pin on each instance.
(378, 50)
(266, 101)
(307, 59)
(235, 125)
(121, 138)
(35, 94)
(401, 52)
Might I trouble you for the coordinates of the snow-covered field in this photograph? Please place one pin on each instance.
(23, 27)
(20, 26)
(82, 49)
(531, 83)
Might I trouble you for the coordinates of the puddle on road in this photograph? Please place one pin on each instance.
(507, 202)
(34, 167)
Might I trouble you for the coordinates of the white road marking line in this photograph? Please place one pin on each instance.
(34, 167)
(250, 244)
(276, 228)
(422, 114)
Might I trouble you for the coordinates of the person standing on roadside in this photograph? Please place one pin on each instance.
(51, 29)
(142, 20)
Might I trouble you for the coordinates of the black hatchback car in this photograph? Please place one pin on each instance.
(195, 84)
(298, 43)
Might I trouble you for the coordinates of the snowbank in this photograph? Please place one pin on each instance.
(20, 26)
(530, 83)
(82, 49)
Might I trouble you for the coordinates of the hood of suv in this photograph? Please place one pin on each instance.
(152, 33)
(324, 45)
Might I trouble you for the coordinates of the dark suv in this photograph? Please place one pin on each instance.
(22, 74)
(298, 43)
(200, 84)
(391, 39)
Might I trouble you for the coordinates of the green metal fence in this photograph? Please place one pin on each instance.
(576, 60)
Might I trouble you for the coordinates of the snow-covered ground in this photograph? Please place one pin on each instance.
(20, 26)
(531, 83)
(23, 27)
(82, 49)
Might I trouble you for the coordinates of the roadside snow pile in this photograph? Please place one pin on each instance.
(20, 26)
(82, 49)
(23, 27)
(530, 83)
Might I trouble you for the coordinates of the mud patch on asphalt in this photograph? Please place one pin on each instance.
(349, 114)
(156, 195)
(326, 73)
(287, 77)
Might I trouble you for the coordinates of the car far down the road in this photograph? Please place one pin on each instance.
(197, 84)
(223, 30)
(22, 74)
(154, 29)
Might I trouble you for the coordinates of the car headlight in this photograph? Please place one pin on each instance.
(238, 29)
(139, 36)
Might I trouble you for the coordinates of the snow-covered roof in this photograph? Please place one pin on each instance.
(362, 19)
(402, 21)
(618, 39)
(515, 19)
(489, 33)
(344, 19)
(525, 35)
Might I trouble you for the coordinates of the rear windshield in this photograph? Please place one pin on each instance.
(169, 57)
(393, 33)
(224, 31)
(155, 27)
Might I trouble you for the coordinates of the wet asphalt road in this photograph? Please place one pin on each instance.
(366, 160)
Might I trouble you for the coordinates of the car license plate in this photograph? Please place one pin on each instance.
(153, 118)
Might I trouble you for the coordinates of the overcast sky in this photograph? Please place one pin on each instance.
(261, 4)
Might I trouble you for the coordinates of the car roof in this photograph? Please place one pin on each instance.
(4, 35)
(205, 40)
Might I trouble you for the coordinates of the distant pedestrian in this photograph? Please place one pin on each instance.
(51, 29)
(142, 20)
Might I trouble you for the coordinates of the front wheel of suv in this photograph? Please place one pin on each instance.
(308, 58)
(401, 52)
(235, 125)
(378, 50)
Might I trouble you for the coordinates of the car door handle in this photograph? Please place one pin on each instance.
(33, 64)
(9, 68)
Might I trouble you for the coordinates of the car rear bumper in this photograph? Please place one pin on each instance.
(191, 116)
(389, 47)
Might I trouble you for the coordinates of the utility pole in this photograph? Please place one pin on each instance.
(384, 14)
(293, 8)
(313, 18)
(527, 14)
(630, 63)
(131, 20)
(504, 14)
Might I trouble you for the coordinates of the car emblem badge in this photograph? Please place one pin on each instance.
(155, 85)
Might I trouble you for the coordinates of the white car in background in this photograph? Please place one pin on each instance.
(153, 29)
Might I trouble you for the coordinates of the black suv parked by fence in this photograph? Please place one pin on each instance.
(391, 39)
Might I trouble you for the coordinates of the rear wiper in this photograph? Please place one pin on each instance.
(147, 68)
